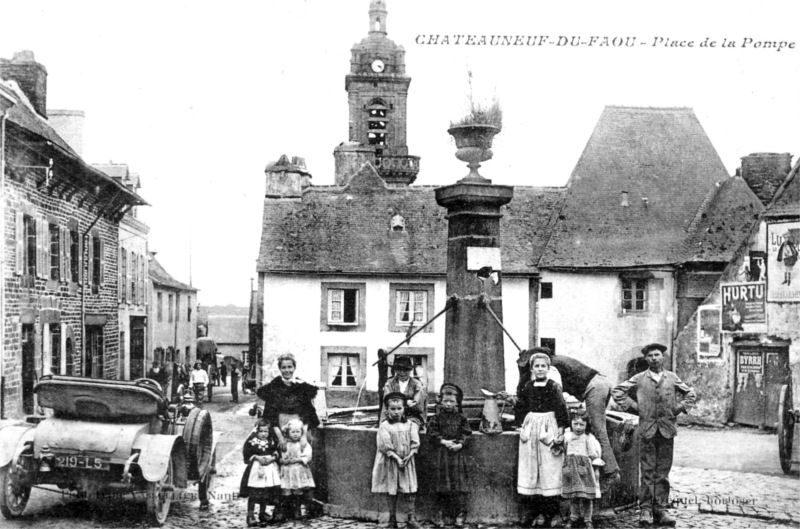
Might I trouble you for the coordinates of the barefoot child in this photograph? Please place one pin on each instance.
(545, 414)
(261, 481)
(579, 482)
(297, 483)
(394, 471)
(448, 432)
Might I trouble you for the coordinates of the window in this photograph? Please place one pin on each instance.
(342, 307)
(412, 307)
(74, 256)
(547, 290)
(160, 307)
(634, 295)
(55, 348)
(177, 306)
(30, 245)
(343, 370)
(123, 270)
(70, 358)
(189, 308)
(96, 262)
(550, 343)
(134, 268)
(55, 252)
(377, 124)
(169, 308)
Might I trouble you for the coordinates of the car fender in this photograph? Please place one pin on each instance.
(155, 452)
(10, 439)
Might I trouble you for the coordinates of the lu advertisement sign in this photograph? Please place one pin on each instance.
(743, 305)
(783, 247)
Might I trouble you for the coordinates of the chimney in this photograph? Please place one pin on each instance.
(349, 157)
(764, 172)
(30, 76)
(287, 179)
(69, 125)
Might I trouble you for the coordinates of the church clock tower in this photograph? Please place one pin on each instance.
(377, 89)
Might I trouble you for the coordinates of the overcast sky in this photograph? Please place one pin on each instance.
(198, 97)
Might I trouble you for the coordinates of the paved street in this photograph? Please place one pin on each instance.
(703, 497)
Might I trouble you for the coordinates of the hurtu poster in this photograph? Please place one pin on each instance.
(783, 271)
(743, 305)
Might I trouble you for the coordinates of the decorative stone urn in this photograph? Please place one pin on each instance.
(474, 145)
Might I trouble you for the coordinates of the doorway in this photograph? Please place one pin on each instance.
(28, 368)
(760, 373)
(94, 351)
(137, 348)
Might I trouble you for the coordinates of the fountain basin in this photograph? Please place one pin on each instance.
(349, 454)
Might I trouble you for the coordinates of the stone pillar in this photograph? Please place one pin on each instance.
(473, 355)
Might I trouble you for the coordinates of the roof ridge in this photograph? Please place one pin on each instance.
(625, 107)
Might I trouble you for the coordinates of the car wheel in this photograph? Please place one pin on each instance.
(198, 436)
(13, 494)
(159, 498)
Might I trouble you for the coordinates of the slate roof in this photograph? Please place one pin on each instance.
(160, 276)
(228, 329)
(786, 202)
(732, 209)
(661, 154)
(346, 230)
(23, 116)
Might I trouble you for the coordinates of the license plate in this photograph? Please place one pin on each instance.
(85, 462)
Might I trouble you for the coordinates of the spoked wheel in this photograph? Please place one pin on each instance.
(785, 429)
(159, 498)
(206, 484)
(14, 495)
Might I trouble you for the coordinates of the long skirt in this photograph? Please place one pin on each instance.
(539, 469)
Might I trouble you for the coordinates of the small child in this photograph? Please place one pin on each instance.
(579, 481)
(448, 431)
(297, 482)
(261, 481)
(394, 470)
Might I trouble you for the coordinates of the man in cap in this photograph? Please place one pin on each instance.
(658, 396)
(586, 385)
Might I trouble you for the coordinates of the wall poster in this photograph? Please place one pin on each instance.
(783, 246)
(743, 305)
(708, 335)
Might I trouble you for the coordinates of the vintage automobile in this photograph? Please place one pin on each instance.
(788, 429)
(108, 437)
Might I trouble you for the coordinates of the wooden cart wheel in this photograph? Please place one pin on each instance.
(198, 436)
(785, 429)
(159, 498)
(13, 495)
(206, 484)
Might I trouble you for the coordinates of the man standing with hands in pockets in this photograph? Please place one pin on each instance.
(658, 396)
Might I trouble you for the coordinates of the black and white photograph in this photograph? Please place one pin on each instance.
(384, 263)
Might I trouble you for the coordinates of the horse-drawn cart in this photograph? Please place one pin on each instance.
(108, 437)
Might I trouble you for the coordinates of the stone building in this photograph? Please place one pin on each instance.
(743, 344)
(133, 278)
(172, 317)
(595, 269)
(61, 237)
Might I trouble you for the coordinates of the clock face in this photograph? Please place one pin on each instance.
(378, 66)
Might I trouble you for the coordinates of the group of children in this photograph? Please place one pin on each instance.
(558, 455)
(277, 475)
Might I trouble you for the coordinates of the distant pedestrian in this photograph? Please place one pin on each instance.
(261, 481)
(394, 470)
(658, 396)
(223, 373)
(449, 431)
(199, 380)
(235, 383)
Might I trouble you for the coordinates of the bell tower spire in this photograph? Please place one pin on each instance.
(377, 16)
(377, 90)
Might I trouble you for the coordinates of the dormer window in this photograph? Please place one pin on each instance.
(398, 223)
(624, 202)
